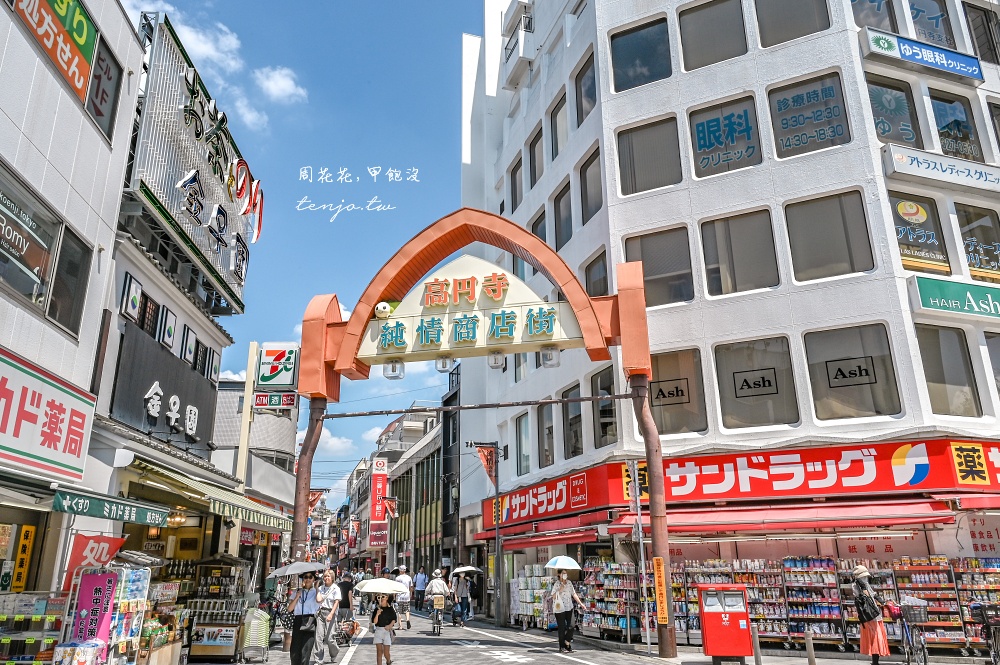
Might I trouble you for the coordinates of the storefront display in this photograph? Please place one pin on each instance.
(219, 607)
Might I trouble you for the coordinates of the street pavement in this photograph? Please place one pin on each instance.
(481, 644)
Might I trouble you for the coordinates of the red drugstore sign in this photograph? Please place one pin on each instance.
(848, 470)
(380, 484)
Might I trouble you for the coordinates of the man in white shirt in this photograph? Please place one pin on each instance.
(403, 599)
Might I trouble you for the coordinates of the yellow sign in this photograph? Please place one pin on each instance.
(970, 463)
(642, 483)
(439, 602)
(660, 583)
(22, 558)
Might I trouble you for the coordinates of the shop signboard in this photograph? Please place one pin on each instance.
(921, 56)
(380, 485)
(214, 636)
(6, 531)
(352, 537)
(67, 34)
(162, 394)
(46, 421)
(66, 501)
(93, 610)
(88, 551)
(277, 367)
(574, 493)
(660, 583)
(22, 558)
(247, 536)
(378, 535)
(189, 171)
(920, 165)
(950, 296)
(282, 400)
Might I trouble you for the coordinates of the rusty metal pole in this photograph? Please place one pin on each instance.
(666, 635)
(303, 478)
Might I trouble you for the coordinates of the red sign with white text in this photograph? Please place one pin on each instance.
(858, 469)
(380, 486)
(378, 535)
(91, 552)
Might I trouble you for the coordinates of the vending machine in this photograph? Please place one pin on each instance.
(725, 623)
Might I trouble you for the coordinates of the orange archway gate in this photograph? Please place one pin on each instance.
(330, 345)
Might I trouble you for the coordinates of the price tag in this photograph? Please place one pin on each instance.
(51, 617)
(36, 617)
(18, 617)
(121, 647)
(49, 640)
(3, 617)
(10, 662)
(4, 640)
(36, 662)
(29, 640)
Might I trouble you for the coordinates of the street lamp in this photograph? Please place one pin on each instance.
(490, 461)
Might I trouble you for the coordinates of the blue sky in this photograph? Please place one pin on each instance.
(334, 85)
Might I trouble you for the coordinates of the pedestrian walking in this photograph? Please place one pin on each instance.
(874, 641)
(346, 598)
(403, 599)
(563, 598)
(383, 623)
(460, 589)
(329, 598)
(303, 606)
(420, 581)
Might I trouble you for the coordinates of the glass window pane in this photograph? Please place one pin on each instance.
(677, 393)
(851, 372)
(559, 129)
(725, 137)
(932, 23)
(755, 383)
(538, 226)
(69, 285)
(564, 218)
(520, 268)
(809, 116)
(520, 366)
(521, 426)
(983, 26)
(980, 229)
(993, 345)
(893, 112)
(666, 265)
(586, 91)
(828, 236)
(105, 84)
(640, 55)
(955, 126)
(605, 422)
(739, 253)
(516, 187)
(712, 32)
(27, 243)
(597, 277)
(781, 21)
(874, 14)
(918, 234)
(591, 194)
(572, 416)
(649, 157)
(994, 110)
(536, 158)
(950, 381)
(546, 436)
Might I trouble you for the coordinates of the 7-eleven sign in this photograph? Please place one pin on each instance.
(278, 367)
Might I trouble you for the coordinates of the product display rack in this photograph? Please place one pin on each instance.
(934, 583)
(612, 599)
(977, 581)
(882, 581)
(712, 571)
(30, 625)
(765, 591)
(812, 598)
(678, 593)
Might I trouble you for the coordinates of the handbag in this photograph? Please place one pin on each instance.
(557, 606)
(867, 608)
(308, 623)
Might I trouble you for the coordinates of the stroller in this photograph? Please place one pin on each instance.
(345, 632)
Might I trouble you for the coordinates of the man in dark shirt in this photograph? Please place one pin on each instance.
(347, 597)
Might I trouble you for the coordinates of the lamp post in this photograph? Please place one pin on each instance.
(491, 462)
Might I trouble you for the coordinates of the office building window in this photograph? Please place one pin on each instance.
(955, 126)
(572, 417)
(876, 14)
(649, 157)
(591, 194)
(739, 253)
(69, 284)
(893, 112)
(520, 268)
(808, 116)
(149, 316)
(597, 277)
(520, 366)
(586, 91)
(932, 23)
(546, 436)
(605, 422)
(755, 383)
(536, 158)
(980, 230)
(523, 433)
(918, 234)
(538, 227)
(564, 217)
(725, 137)
(666, 265)
(851, 373)
(558, 127)
(993, 346)
(516, 186)
(780, 21)
(951, 383)
(677, 393)
(712, 32)
(828, 236)
(200, 358)
(985, 31)
(640, 55)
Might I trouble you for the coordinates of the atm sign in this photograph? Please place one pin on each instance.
(274, 400)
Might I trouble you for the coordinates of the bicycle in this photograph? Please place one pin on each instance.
(989, 616)
(437, 614)
(914, 646)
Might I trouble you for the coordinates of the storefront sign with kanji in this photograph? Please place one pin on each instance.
(45, 422)
(89, 551)
(94, 603)
(380, 486)
(22, 558)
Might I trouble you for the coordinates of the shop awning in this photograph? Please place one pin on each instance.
(544, 540)
(979, 501)
(797, 517)
(227, 503)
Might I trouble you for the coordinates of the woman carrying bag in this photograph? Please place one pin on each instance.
(303, 607)
(563, 596)
(874, 641)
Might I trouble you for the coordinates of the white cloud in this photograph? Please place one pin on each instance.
(419, 367)
(278, 84)
(216, 46)
(229, 375)
(251, 116)
(344, 312)
(329, 444)
(371, 435)
(297, 330)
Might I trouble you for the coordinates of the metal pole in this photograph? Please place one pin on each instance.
(633, 470)
(475, 407)
(810, 650)
(498, 557)
(757, 657)
(666, 635)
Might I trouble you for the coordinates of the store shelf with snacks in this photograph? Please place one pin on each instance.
(711, 571)
(977, 581)
(933, 580)
(766, 594)
(812, 598)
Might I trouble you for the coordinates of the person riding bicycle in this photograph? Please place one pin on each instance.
(437, 587)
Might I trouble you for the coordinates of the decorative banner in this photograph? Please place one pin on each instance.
(93, 613)
(380, 484)
(314, 498)
(352, 538)
(488, 456)
(660, 582)
(90, 552)
(22, 558)
(390, 508)
(67, 34)
(378, 535)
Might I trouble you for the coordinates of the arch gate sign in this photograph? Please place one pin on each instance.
(411, 311)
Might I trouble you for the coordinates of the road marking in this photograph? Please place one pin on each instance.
(547, 650)
(354, 647)
(470, 643)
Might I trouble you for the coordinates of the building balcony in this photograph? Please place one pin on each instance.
(519, 51)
